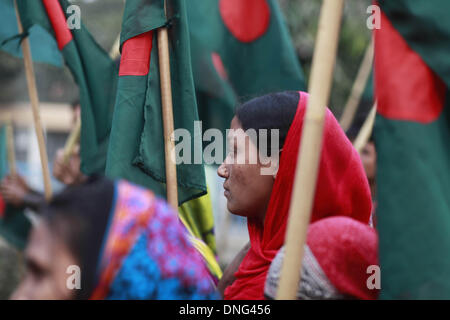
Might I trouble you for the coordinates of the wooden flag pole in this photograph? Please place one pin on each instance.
(366, 130)
(310, 146)
(167, 114)
(32, 91)
(72, 141)
(10, 144)
(114, 53)
(358, 88)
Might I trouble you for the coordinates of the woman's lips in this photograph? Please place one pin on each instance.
(226, 192)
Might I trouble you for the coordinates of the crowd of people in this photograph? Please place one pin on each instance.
(130, 244)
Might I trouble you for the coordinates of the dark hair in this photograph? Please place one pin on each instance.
(353, 132)
(79, 216)
(271, 111)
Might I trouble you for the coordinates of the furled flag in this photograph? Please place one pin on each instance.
(136, 150)
(14, 225)
(56, 23)
(43, 46)
(412, 135)
(240, 49)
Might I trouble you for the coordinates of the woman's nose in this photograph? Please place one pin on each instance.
(222, 171)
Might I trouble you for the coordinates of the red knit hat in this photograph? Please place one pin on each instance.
(345, 248)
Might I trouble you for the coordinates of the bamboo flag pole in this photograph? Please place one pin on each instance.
(366, 130)
(167, 114)
(310, 146)
(72, 140)
(114, 53)
(32, 91)
(10, 146)
(358, 88)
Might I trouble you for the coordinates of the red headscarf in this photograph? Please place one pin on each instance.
(342, 190)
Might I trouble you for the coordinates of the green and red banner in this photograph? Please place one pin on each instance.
(412, 134)
(43, 45)
(91, 67)
(136, 150)
(240, 49)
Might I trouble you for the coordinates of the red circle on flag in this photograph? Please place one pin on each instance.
(247, 20)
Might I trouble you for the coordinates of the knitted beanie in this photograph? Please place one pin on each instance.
(335, 265)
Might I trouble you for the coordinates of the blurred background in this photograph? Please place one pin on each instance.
(103, 18)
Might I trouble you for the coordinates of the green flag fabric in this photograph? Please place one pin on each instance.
(412, 135)
(240, 49)
(14, 225)
(43, 46)
(91, 67)
(136, 150)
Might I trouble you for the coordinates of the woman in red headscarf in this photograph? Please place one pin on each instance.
(261, 191)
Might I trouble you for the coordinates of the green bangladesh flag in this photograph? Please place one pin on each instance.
(91, 67)
(43, 45)
(14, 225)
(412, 135)
(136, 150)
(240, 49)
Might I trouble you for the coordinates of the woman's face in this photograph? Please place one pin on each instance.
(246, 189)
(47, 261)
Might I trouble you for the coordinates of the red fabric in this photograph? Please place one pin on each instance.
(345, 248)
(135, 60)
(2, 207)
(246, 20)
(342, 189)
(400, 73)
(58, 20)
